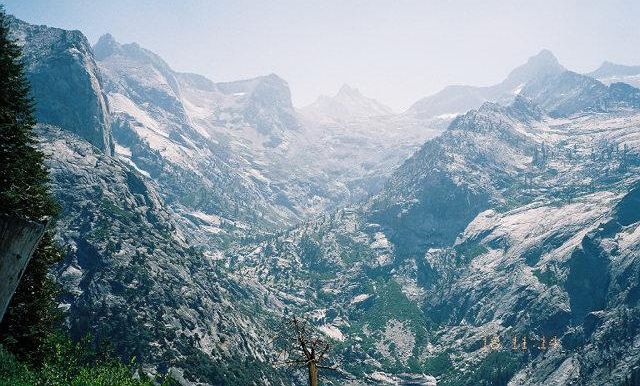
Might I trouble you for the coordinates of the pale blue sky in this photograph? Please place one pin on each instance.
(395, 51)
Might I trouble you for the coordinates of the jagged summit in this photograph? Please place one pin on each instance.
(108, 48)
(487, 107)
(569, 93)
(459, 99)
(105, 46)
(543, 58)
(545, 54)
(346, 90)
(540, 65)
(179, 103)
(521, 105)
(491, 115)
(347, 104)
(242, 84)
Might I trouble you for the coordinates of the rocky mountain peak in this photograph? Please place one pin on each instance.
(130, 69)
(544, 57)
(273, 80)
(610, 69)
(105, 46)
(494, 117)
(269, 107)
(540, 65)
(346, 90)
(569, 93)
(454, 100)
(348, 104)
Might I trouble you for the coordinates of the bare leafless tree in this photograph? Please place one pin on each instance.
(302, 347)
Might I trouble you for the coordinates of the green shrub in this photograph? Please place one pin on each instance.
(438, 365)
(69, 363)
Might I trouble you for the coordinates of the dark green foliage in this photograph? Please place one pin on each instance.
(68, 363)
(24, 192)
(438, 365)
(312, 256)
(389, 303)
(353, 251)
(233, 371)
(392, 303)
(497, 368)
(33, 313)
(23, 176)
(467, 251)
(546, 277)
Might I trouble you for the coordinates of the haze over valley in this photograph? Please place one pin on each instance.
(197, 214)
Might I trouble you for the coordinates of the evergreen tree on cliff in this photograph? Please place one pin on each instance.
(24, 192)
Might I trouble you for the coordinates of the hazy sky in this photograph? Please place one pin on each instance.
(395, 51)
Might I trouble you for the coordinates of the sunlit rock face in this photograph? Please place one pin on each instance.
(65, 81)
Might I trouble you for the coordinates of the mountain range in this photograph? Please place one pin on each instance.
(197, 214)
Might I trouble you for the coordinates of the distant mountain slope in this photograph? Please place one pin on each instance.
(355, 142)
(459, 99)
(238, 149)
(459, 171)
(182, 131)
(609, 73)
(263, 103)
(347, 105)
(519, 220)
(570, 93)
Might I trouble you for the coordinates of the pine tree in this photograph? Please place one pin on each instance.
(24, 191)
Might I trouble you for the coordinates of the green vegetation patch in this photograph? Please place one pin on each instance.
(466, 252)
(67, 363)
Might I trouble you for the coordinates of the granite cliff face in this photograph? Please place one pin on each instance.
(65, 81)
(132, 277)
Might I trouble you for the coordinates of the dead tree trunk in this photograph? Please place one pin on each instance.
(303, 348)
(313, 374)
(18, 241)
